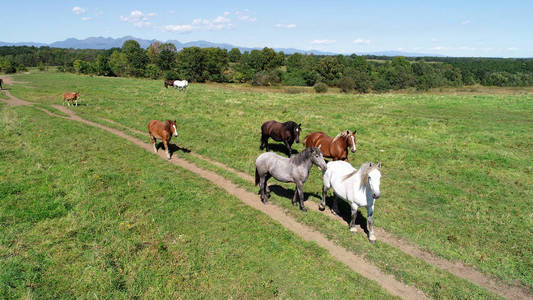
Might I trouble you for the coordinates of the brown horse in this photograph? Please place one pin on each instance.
(169, 83)
(336, 148)
(288, 132)
(71, 97)
(163, 131)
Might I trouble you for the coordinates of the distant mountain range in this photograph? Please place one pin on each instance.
(108, 43)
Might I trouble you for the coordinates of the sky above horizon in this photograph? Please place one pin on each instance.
(452, 28)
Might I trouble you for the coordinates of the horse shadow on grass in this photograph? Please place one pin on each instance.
(344, 212)
(281, 148)
(173, 148)
(289, 193)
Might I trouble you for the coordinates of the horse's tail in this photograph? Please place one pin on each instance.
(256, 176)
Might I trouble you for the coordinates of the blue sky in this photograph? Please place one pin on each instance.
(454, 28)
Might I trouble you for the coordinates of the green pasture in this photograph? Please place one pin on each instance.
(84, 214)
(457, 168)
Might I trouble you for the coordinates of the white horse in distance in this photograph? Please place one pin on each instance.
(181, 84)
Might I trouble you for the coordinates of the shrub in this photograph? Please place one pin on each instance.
(321, 87)
(42, 67)
(152, 71)
(266, 78)
(171, 75)
(346, 84)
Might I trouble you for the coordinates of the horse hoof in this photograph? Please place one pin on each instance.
(303, 209)
(353, 229)
(294, 204)
(372, 241)
(321, 208)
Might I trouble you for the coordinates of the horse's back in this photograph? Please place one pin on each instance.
(272, 128)
(156, 128)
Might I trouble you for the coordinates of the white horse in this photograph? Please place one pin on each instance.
(357, 187)
(181, 84)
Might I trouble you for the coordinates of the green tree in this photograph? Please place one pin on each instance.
(329, 69)
(101, 66)
(118, 63)
(216, 61)
(192, 64)
(234, 55)
(136, 57)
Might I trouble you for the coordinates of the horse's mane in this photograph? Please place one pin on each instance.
(303, 156)
(343, 133)
(290, 125)
(365, 169)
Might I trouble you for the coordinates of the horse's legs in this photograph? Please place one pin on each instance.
(322, 205)
(371, 236)
(153, 142)
(262, 146)
(262, 187)
(165, 143)
(267, 189)
(300, 190)
(288, 147)
(352, 221)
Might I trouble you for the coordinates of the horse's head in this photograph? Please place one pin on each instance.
(317, 158)
(351, 140)
(173, 128)
(374, 178)
(296, 132)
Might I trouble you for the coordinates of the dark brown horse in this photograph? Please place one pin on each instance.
(169, 83)
(288, 133)
(71, 97)
(163, 131)
(336, 148)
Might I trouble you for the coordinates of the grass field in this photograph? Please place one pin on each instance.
(86, 215)
(457, 168)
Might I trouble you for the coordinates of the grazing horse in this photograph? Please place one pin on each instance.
(71, 96)
(169, 83)
(181, 84)
(357, 187)
(163, 131)
(294, 169)
(288, 132)
(336, 148)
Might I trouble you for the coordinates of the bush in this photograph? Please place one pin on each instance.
(171, 75)
(321, 87)
(346, 84)
(42, 67)
(152, 71)
(266, 78)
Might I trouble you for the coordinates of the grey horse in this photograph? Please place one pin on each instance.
(294, 169)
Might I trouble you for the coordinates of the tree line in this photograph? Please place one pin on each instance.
(268, 67)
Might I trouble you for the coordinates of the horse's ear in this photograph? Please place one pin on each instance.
(299, 125)
(174, 121)
(370, 164)
(354, 131)
(379, 164)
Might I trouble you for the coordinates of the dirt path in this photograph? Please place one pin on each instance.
(355, 262)
(457, 268)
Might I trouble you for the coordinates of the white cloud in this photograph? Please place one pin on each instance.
(512, 49)
(466, 22)
(288, 26)
(78, 10)
(244, 16)
(361, 41)
(322, 42)
(179, 28)
(439, 48)
(218, 23)
(138, 19)
(86, 18)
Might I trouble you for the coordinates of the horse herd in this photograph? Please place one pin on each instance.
(358, 187)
